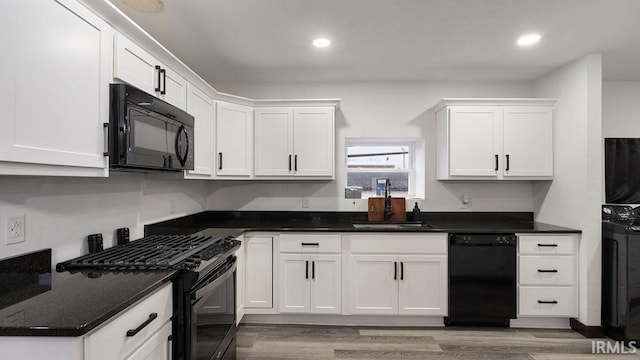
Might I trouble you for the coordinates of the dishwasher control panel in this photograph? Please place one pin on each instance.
(483, 239)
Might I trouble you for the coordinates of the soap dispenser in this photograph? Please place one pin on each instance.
(417, 215)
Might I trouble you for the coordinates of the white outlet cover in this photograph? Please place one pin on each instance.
(15, 229)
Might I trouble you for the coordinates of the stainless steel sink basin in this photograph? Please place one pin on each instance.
(388, 226)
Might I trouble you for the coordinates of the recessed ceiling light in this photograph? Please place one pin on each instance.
(528, 40)
(321, 42)
(148, 6)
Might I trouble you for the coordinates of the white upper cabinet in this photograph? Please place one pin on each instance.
(55, 70)
(140, 69)
(313, 141)
(528, 141)
(474, 141)
(295, 142)
(495, 139)
(234, 140)
(274, 141)
(202, 107)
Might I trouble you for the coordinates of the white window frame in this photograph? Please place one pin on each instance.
(416, 168)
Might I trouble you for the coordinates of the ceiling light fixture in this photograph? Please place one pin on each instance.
(528, 40)
(321, 42)
(148, 6)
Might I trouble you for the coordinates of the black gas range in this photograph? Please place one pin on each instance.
(204, 321)
(620, 272)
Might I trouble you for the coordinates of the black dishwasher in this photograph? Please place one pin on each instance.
(482, 279)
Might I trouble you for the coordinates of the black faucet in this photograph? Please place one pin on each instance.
(388, 208)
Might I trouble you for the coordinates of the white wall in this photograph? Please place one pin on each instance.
(375, 109)
(61, 212)
(573, 199)
(620, 109)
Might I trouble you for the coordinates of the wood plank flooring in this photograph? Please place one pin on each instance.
(262, 342)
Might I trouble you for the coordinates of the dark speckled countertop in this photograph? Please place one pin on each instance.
(37, 302)
(236, 222)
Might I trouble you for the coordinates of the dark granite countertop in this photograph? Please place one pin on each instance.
(68, 304)
(235, 223)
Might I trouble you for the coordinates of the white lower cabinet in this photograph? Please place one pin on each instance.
(414, 298)
(385, 280)
(258, 287)
(158, 347)
(310, 283)
(114, 340)
(373, 288)
(403, 285)
(240, 271)
(547, 275)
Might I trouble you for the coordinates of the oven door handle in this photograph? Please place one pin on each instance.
(215, 283)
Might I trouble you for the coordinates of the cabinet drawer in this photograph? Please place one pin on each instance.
(390, 243)
(547, 301)
(111, 340)
(547, 244)
(547, 270)
(304, 243)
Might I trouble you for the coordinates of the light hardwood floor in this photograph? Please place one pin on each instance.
(329, 342)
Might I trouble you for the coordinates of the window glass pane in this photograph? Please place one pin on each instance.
(378, 157)
(366, 180)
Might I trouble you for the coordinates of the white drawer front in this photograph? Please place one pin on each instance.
(393, 243)
(111, 340)
(547, 270)
(307, 243)
(547, 244)
(547, 301)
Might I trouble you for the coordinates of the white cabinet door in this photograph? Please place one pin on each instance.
(274, 142)
(528, 141)
(234, 139)
(475, 136)
(313, 141)
(56, 69)
(158, 347)
(423, 285)
(135, 66)
(140, 69)
(240, 254)
(373, 284)
(295, 273)
(326, 284)
(202, 107)
(174, 88)
(110, 342)
(259, 273)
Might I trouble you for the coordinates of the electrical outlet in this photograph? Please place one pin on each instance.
(16, 228)
(305, 202)
(465, 200)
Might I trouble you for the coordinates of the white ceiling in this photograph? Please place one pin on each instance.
(394, 40)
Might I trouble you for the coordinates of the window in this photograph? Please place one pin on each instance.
(370, 161)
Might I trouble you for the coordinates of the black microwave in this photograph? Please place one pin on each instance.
(146, 133)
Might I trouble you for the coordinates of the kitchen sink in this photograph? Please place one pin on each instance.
(390, 225)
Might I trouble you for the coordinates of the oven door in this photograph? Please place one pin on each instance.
(213, 314)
